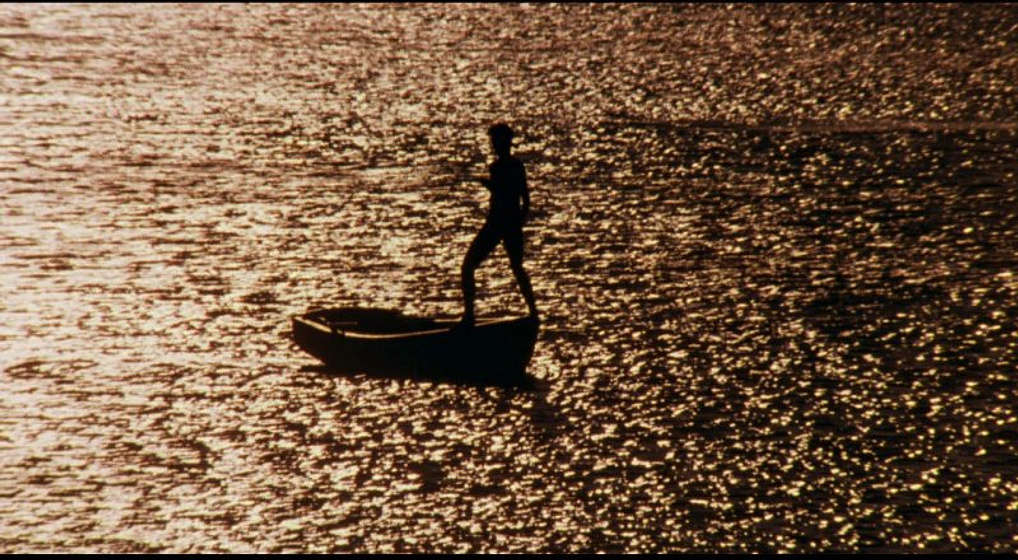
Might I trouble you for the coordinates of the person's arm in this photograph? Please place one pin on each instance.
(489, 182)
(526, 193)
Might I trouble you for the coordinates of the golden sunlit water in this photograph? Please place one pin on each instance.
(775, 250)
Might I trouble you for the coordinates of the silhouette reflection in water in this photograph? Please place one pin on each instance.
(509, 206)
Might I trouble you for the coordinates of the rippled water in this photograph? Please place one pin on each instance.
(775, 247)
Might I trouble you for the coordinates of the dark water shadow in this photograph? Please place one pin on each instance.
(525, 382)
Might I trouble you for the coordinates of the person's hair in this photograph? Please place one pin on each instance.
(500, 131)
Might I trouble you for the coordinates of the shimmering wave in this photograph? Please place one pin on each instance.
(774, 247)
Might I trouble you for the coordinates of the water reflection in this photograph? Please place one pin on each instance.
(776, 245)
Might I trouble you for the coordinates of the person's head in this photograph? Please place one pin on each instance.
(501, 138)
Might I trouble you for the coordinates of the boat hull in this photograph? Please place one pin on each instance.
(387, 343)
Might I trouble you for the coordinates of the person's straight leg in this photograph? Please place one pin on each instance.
(480, 248)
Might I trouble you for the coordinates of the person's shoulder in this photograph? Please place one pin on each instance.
(507, 164)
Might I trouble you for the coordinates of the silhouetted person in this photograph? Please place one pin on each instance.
(510, 204)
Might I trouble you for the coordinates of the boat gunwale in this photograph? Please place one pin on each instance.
(325, 328)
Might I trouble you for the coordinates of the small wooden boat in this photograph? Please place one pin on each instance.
(390, 344)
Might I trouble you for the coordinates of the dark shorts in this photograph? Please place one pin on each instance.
(490, 235)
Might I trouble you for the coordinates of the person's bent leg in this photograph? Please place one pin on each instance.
(526, 289)
(514, 247)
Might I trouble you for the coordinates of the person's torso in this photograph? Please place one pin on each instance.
(507, 184)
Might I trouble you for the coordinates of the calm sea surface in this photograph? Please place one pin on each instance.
(775, 248)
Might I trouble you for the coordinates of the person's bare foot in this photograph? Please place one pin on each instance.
(465, 322)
